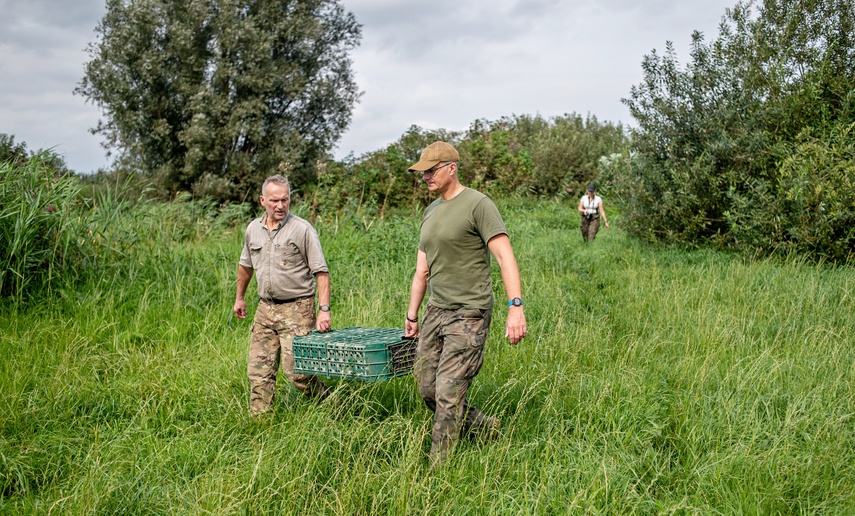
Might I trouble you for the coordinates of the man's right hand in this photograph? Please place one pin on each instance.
(240, 309)
(411, 329)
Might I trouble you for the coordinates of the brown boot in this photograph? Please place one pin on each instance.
(489, 430)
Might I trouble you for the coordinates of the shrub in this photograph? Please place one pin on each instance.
(745, 146)
(520, 155)
(812, 207)
(38, 224)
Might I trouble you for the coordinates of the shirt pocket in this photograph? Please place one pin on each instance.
(255, 253)
(288, 256)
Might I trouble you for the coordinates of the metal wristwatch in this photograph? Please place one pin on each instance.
(324, 308)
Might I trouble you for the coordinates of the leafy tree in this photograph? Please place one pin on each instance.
(721, 140)
(11, 151)
(377, 181)
(212, 95)
(567, 152)
(531, 155)
(496, 156)
(519, 155)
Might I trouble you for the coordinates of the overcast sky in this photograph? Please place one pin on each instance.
(438, 64)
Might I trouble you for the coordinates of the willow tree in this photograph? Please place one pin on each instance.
(213, 95)
(752, 143)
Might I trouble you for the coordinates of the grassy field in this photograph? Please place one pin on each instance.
(651, 381)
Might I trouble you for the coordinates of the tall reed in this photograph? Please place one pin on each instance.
(39, 225)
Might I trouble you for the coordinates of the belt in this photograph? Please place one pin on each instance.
(286, 301)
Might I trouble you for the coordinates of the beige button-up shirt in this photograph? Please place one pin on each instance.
(285, 259)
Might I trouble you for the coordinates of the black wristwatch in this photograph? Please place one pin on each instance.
(515, 302)
(324, 308)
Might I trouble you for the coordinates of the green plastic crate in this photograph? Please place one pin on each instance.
(368, 354)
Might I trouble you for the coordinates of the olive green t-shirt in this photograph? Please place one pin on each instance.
(454, 236)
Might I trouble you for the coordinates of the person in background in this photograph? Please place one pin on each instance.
(286, 253)
(591, 209)
(459, 232)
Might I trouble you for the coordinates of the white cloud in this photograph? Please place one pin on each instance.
(41, 61)
(439, 64)
(463, 61)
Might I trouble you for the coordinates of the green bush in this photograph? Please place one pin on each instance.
(747, 145)
(512, 156)
(39, 224)
(530, 155)
(812, 209)
(376, 182)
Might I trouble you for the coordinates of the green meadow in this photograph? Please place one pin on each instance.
(652, 381)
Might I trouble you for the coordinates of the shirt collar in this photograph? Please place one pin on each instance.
(281, 222)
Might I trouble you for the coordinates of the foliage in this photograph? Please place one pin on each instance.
(376, 181)
(496, 156)
(715, 139)
(813, 208)
(566, 154)
(123, 184)
(120, 224)
(58, 229)
(11, 151)
(39, 222)
(210, 96)
(521, 155)
(533, 156)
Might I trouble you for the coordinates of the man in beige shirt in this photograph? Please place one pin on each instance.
(285, 253)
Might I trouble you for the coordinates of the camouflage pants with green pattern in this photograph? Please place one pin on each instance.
(273, 331)
(449, 354)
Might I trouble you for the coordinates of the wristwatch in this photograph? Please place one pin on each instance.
(515, 302)
(324, 308)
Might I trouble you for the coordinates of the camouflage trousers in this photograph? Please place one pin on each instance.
(590, 227)
(449, 354)
(273, 331)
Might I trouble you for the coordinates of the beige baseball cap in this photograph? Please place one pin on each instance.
(433, 154)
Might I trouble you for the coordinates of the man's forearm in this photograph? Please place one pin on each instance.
(500, 247)
(243, 277)
(324, 292)
(417, 295)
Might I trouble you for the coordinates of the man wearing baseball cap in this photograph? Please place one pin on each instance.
(459, 232)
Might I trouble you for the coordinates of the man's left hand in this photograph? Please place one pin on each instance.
(515, 328)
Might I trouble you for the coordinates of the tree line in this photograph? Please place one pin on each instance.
(515, 155)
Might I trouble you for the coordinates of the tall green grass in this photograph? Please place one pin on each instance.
(651, 381)
(38, 225)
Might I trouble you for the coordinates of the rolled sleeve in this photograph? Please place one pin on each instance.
(314, 254)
